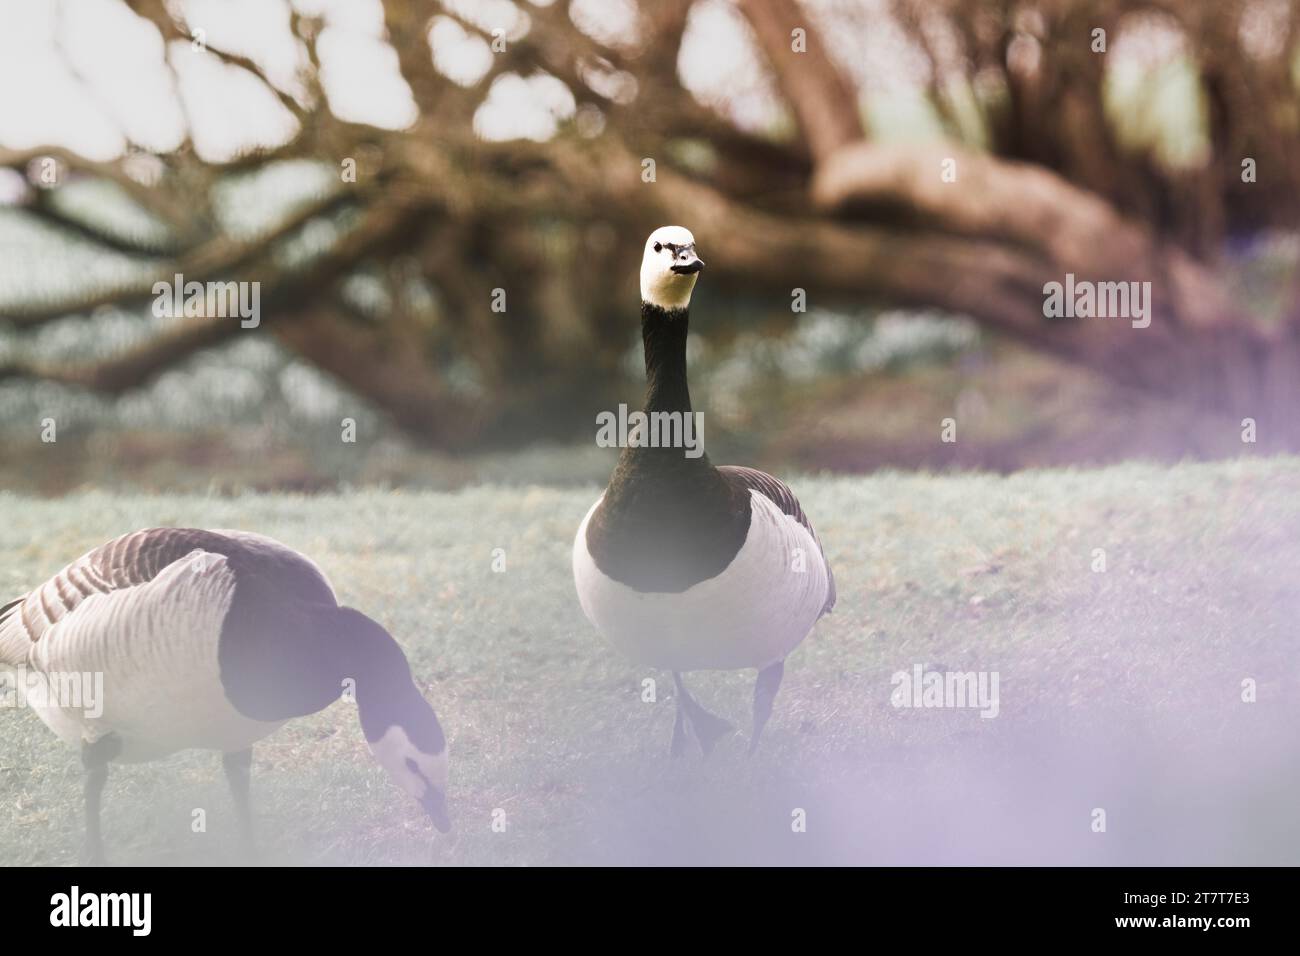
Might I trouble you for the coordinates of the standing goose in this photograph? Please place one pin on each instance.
(686, 566)
(211, 640)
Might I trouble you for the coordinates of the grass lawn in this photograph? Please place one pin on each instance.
(1120, 690)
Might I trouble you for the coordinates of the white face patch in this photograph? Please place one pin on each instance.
(394, 749)
(666, 247)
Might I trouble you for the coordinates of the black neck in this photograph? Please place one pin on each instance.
(386, 695)
(666, 521)
(663, 334)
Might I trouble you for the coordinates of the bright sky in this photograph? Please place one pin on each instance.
(90, 75)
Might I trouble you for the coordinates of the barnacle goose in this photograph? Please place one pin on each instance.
(212, 640)
(687, 566)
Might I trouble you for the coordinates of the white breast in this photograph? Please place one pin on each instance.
(752, 614)
(155, 646)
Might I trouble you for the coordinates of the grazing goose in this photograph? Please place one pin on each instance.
(686, 566)
(212, 640)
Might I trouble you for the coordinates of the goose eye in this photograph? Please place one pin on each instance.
(658, 247)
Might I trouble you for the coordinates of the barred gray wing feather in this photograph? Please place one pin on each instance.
(779, 493)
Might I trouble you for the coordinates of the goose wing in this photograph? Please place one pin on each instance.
(779, 493)
(138, 558)
(149, 613)
(13, 638)
(125, 562)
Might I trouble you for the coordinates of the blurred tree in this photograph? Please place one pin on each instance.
(558, 223)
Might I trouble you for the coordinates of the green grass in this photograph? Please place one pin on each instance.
(1119, 690)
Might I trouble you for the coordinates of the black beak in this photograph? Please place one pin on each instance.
(689, 268)
(435, 805)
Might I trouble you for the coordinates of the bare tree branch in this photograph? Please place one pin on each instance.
(213, 259)
(824, 102)
(45, 210)
(156, 201)
(136, 366)
(171, 29)
(1022, 204)
(286, 294)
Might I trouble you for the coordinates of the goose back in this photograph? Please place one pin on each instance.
(203, 638)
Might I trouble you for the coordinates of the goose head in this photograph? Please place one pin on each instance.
(669, 268)
(400, 727)
(417, 764)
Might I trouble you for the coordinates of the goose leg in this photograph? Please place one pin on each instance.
(678, 747)
(765, 688)
(95, 757)
(238, 766)
(707, 727)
